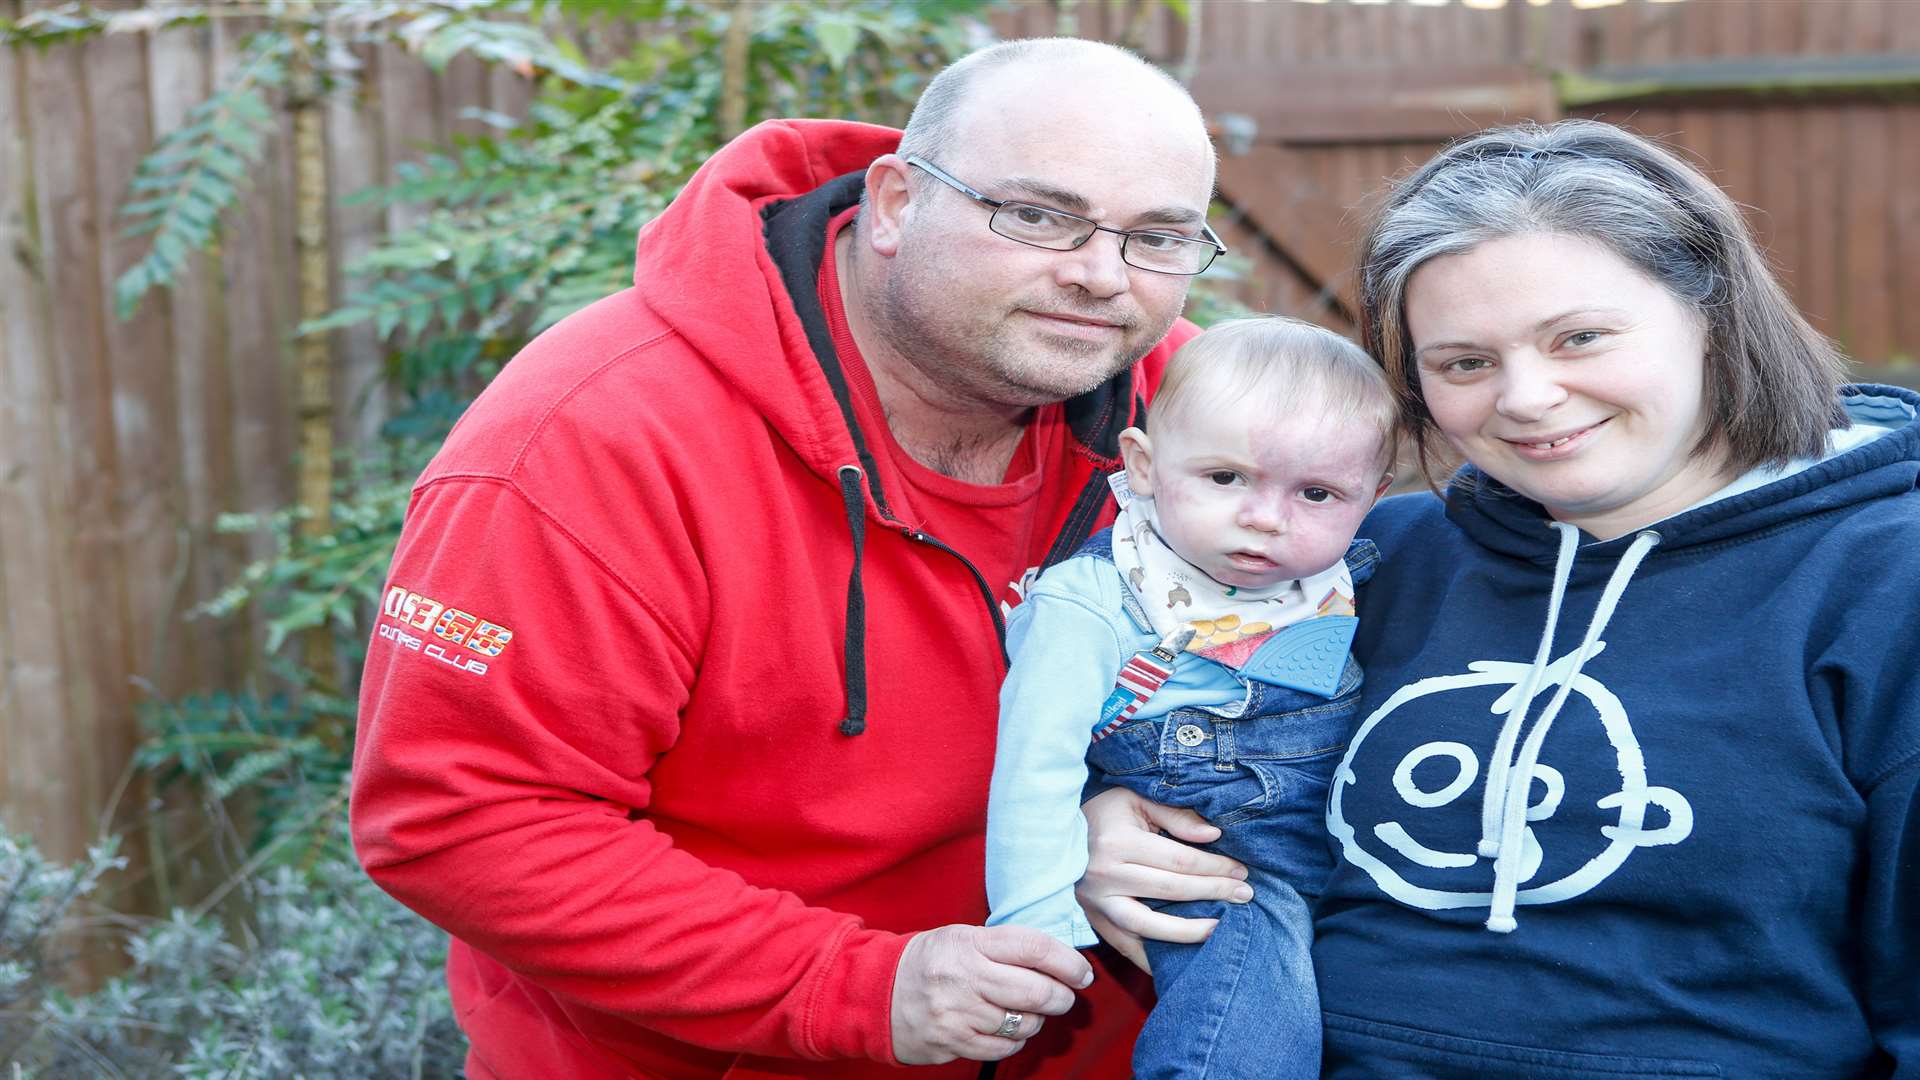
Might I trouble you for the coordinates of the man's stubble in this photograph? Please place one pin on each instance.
(990, 356)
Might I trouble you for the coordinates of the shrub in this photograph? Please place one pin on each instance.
(322, 975)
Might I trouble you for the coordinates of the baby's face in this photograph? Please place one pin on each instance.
(1256, 498)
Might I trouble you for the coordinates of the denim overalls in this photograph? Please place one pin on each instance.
(1242, 1003)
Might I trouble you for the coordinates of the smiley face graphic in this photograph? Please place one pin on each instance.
(1405, 807)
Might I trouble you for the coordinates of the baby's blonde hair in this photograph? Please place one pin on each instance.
(1291, 363)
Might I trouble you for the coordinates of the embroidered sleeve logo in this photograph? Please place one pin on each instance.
(461, 637)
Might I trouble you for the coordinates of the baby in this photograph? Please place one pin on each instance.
(1197, 653)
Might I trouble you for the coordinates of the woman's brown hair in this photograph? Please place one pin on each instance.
(1771, 379)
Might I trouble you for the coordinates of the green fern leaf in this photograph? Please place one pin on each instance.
(195, 172)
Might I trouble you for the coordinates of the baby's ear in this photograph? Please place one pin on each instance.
(1386, 481)
(1136, 452)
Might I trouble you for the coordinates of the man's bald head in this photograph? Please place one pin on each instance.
(1051, 126)
(1000, 84)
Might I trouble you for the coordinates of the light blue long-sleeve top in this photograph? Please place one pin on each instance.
(1067, 643)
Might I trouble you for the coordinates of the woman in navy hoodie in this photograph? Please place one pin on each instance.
(1635, 789)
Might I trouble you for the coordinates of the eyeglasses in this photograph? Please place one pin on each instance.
(1057, 230)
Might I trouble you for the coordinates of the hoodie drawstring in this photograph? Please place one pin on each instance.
(855, 647)
(1517, 780)
(1493, 799)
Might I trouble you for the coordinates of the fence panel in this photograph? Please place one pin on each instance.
(1344, 96)
(121, 442)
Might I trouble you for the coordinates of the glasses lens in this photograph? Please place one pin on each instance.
(1168, 254)
(1040, 226)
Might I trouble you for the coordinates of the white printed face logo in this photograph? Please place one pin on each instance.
(1019, 590)
(1416, 815)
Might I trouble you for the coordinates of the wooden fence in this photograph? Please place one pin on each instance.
(1806, 111)
(121, 442)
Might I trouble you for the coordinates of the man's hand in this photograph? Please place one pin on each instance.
(956, 985)
(1129, 858)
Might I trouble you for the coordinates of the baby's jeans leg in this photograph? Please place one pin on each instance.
(1241, 1005)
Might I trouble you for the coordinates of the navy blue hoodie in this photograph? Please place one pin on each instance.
(1712, 867)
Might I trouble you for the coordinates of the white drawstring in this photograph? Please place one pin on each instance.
(1493, 796)
(1519, 779)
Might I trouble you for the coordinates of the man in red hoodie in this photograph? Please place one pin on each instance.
(681, 705)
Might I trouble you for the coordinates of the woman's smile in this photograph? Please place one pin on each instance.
(1556, 447)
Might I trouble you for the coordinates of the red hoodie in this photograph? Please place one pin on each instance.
(604, 735)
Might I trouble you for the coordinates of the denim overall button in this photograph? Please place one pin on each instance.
(1190, 735)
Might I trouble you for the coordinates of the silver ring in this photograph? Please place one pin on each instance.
(1010, 1025)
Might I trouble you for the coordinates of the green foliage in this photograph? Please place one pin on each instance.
(334, 579)
(272, 748)
(321, 974)
(67, 23)
(530, 225)
(36, 897)
(192, 175)
(196, 171)
(430, 386)
(440, 35)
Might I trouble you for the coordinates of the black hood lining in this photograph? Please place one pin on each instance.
(796, 235)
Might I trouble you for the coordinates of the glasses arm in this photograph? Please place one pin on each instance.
(947, 178)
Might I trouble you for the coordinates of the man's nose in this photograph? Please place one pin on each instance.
(1095, 266)
(1529, 387)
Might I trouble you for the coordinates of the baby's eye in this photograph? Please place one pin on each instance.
(1224, 477)
(1316, 494)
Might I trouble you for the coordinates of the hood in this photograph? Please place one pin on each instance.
(733, 266)
(1510, 524)
(703, 265)
(1502, 521)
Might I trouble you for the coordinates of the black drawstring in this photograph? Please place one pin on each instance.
(855, 651)
(796, 237)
